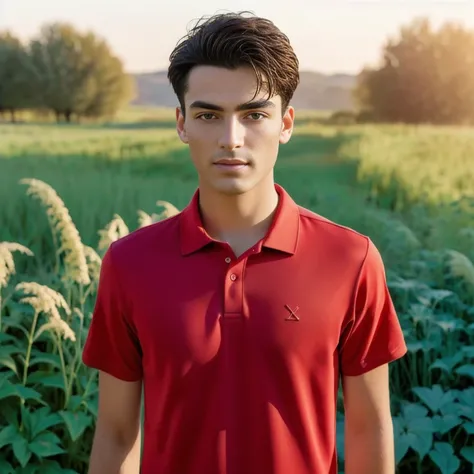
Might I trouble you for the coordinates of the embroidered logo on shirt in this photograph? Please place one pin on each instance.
(292, 316)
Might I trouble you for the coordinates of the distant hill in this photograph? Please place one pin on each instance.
(316, 91)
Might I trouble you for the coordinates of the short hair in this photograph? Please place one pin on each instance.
(233, 40)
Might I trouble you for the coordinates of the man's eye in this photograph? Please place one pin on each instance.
(207, 116)
(256, 116)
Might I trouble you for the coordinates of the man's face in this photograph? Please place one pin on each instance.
(233, 138)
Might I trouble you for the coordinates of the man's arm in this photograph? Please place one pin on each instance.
(369, 442)
(117, 439)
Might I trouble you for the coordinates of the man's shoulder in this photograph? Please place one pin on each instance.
(319, 223)
(152, 237)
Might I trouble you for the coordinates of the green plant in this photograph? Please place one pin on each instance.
(373, 179)
(48, 397)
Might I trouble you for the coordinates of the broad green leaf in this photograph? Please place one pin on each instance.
(413, 411)
(41, 419)
(403, 284)
(422, 425)
(7, 361)
(6, 467)
(93, 406)
(435, 296)
(75, 403)
(46, 444)
(4, 338)
(76, 423)
(53, 467)
(440, 364)
(10, 413)
(468, 427)
(434, 398)
(27, 393)
(10, 349)
(466, 396)
(414, 346)
(420, 441)
(451, 408)
(468, 351)
(468, 453)
(26, 420)
(46, 379)
(7, 390)
(402, 443)
(5, 378)
(7, 434)
(467, 370)
(21, 450)
(448, 322)
(443, 456)
(415, 429)
(448, 363)
(19, 310)
(420, 313)
(51, 359)
(48, 437)
(12, 323)
(443, 424)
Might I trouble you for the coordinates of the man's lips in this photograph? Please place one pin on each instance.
(231, 162)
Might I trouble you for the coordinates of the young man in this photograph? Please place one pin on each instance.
(240, 314)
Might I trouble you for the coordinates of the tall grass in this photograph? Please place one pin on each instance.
(405, 164)
(68, 191)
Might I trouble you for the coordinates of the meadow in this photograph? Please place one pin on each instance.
(67, 191)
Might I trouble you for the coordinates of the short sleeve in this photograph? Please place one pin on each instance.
(112, 345)
(373, 334)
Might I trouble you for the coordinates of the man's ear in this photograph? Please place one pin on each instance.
(287, 125)
(181, 125)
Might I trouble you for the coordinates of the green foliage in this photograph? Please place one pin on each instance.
(48, 399)
(65, 71)
(425, 76)
(14, 81)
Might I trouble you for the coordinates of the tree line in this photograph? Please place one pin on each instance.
(424, 76)
(63, 71)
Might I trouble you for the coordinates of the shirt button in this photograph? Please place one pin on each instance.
(227, 260)
(233, 277)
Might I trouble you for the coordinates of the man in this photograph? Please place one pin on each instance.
(240, 314)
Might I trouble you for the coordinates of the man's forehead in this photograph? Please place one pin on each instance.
(226, 88)
(208, 79)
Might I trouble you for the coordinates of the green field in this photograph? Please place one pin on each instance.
(411, 189)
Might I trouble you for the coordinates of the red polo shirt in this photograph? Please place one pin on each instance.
(240, 357)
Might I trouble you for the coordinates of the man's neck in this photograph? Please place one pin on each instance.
(241, 220)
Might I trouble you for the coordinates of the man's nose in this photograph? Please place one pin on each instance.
(232, 135)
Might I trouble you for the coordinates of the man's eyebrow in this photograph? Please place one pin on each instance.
(258, 104)
(200, 104)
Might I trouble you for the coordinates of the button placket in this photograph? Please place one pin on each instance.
(233, 290)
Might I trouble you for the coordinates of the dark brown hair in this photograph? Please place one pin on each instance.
(233, 40)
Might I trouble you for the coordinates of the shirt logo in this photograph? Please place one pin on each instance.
(292, 316)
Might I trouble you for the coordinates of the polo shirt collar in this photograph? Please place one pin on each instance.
(282, 234)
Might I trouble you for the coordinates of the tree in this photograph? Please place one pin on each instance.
(77, 73)
(14, 70)
(425, 76)
(109, 87)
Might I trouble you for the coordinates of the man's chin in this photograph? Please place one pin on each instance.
(233, 187)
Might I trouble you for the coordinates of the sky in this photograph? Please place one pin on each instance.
(329, 36)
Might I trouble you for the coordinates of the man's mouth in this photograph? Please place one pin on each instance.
(231, 163)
